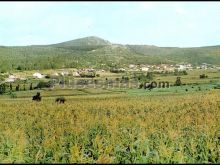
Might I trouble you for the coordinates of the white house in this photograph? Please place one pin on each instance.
(76, 74)
(64, 73)
(132, 66)
(122, 69)
(11, 78)
(23, 78)
(144, 68)
(204, 66)
(180, 67)
(38, 75)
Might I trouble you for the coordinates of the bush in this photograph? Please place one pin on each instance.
(185, 73)
(2, 88)
(217, 87)
(203, 76)
(19, 68)
(47, 76)
(89, 74)
(13, 95)
(115, 70)
(178, 81)
(179, 73)
(17, 87)
(141, 86)
(31, 87)
(125, 78)
(43, 84)
(149, 76)
(143, 77)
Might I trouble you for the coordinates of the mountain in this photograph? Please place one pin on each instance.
(99, 53)
(87, 43)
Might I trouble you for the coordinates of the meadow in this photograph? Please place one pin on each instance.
(165, 125)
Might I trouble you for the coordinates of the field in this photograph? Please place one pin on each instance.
(165, 125)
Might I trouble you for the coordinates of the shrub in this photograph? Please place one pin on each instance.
(17, 87)
(13, 95)
(43, 84)
(149, 76)
(88, 74)
(203, 76)
(31, 87)
(2, 88)
(19, 68)
(178, 81)
(47, 76)
(115, 70)
(141, 86)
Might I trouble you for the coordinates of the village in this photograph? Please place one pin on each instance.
(91, 72)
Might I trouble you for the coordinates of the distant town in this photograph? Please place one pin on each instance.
(90, 72)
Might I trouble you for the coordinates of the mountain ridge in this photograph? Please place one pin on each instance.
(96, 52)
(101, 41)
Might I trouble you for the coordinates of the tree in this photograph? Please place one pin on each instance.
(149, 76)
(17, 87)
(24, 87)
(48, 84)
(2, 88)
(31, 88)
(203, 76)
(185, 73)
(19, 68)
(178, 81)
(10, 87)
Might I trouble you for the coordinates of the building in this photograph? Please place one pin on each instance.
(11, 78)
(63, 73)
(204, 66)
(180, 67)
(144, 68)
(132, 66)
(76, 74)
(38, 75)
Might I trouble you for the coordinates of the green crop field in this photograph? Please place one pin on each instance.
(112, 128)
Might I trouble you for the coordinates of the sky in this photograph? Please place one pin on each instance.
(173, 24)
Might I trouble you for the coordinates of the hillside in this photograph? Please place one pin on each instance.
(87, 43)
(99, 53)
